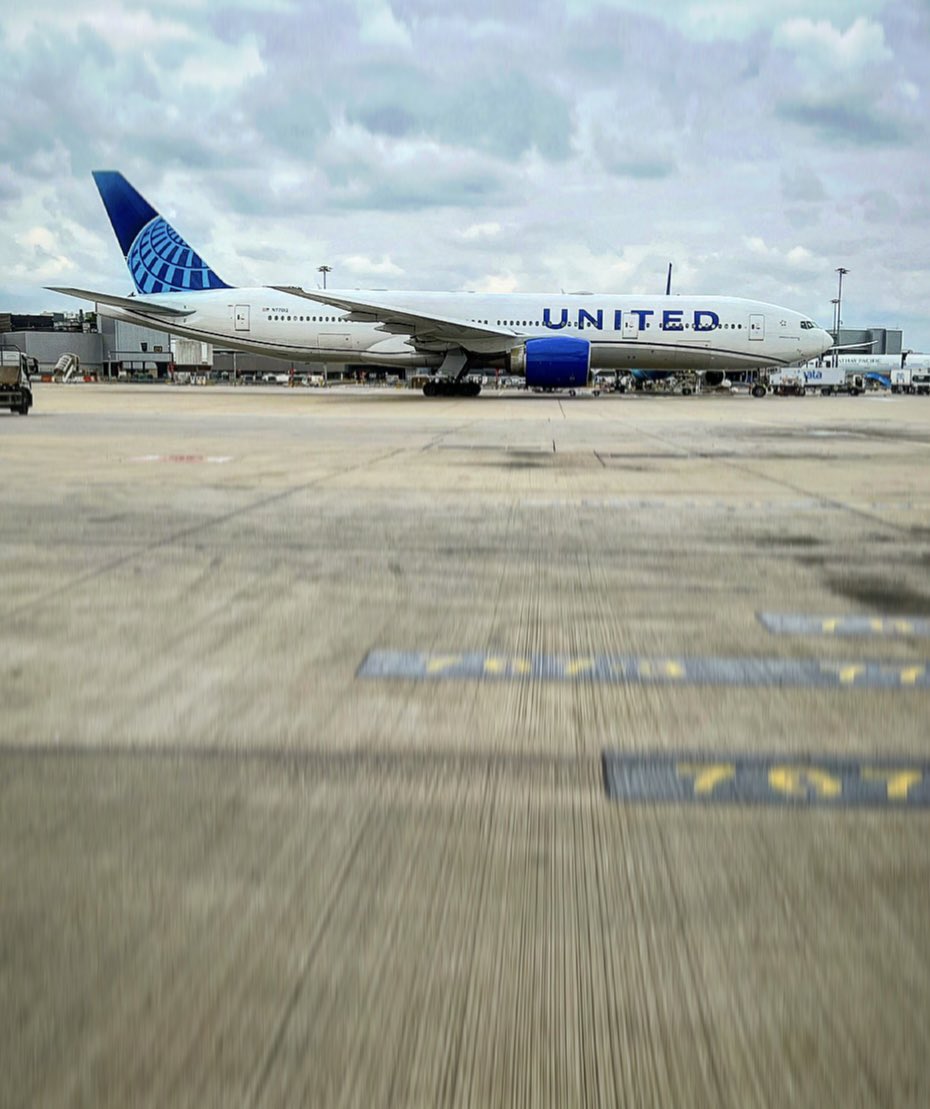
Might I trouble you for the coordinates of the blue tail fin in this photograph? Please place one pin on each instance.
(159, 260)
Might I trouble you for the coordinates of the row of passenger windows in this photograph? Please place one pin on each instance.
(505, 323)
(304, 319)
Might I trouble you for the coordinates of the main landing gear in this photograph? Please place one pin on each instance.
(447, 387)
(450, 381)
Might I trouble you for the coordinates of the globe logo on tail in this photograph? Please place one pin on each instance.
(162, 262)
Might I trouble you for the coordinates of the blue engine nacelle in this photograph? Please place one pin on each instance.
(560, 362)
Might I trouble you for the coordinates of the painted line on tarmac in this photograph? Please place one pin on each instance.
(689, 778)
(885, 627)
(644, 670)
(192, 458)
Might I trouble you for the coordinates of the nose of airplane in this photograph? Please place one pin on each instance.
(824, 341)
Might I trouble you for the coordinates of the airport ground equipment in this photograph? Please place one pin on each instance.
(907, 380)
(788, 383)
(15, 386)
(797, 381)
(66, 367)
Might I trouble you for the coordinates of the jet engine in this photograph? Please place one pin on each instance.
(714, 378)
(560, 362)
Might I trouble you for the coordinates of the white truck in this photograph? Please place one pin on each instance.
(910, 380)
(15, 386)
(826, 380)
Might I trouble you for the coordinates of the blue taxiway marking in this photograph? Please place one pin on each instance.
(645, 670)
(689, 778)
(887, 627)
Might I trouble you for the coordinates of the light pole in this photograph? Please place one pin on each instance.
(839, 313)
(324, 270)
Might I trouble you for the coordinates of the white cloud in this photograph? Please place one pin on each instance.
(495, 283)
(729, 19)
(223, 67)
(475, 231)
(799, 256)
(821, 44)
(380, 26)
(796, 256)
(359, 264)
(41, 257)
(125, 26)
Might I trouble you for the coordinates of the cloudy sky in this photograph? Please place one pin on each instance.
(487, 144)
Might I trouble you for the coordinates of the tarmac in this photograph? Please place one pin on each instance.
(363, 749)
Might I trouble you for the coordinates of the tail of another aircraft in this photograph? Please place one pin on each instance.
(159, 260)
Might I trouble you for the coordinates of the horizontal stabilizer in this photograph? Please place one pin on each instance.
(131, 304)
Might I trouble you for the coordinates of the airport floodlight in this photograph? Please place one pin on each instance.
(840, 272)
(324, 270)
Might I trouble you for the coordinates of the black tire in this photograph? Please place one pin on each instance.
(758, 391)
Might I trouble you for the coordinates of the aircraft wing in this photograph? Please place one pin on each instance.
(423, 325)
(131, 304)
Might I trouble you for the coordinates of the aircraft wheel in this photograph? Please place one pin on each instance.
(429, 389)
(571, 392)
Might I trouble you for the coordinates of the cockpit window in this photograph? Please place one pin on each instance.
(808, 324)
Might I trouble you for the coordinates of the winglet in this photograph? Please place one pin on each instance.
(159, 260)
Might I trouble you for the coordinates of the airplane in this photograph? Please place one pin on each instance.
(885, 363)
(553, 340)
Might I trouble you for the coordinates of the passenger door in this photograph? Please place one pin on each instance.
(241, 317)
(757, 326)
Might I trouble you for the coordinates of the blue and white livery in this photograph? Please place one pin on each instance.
(557, 341)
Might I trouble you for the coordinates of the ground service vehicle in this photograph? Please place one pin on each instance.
(823, 379)
(907, 380)
(15, 386)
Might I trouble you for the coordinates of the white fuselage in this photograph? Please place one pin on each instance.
(884, 363)
(668, 332)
